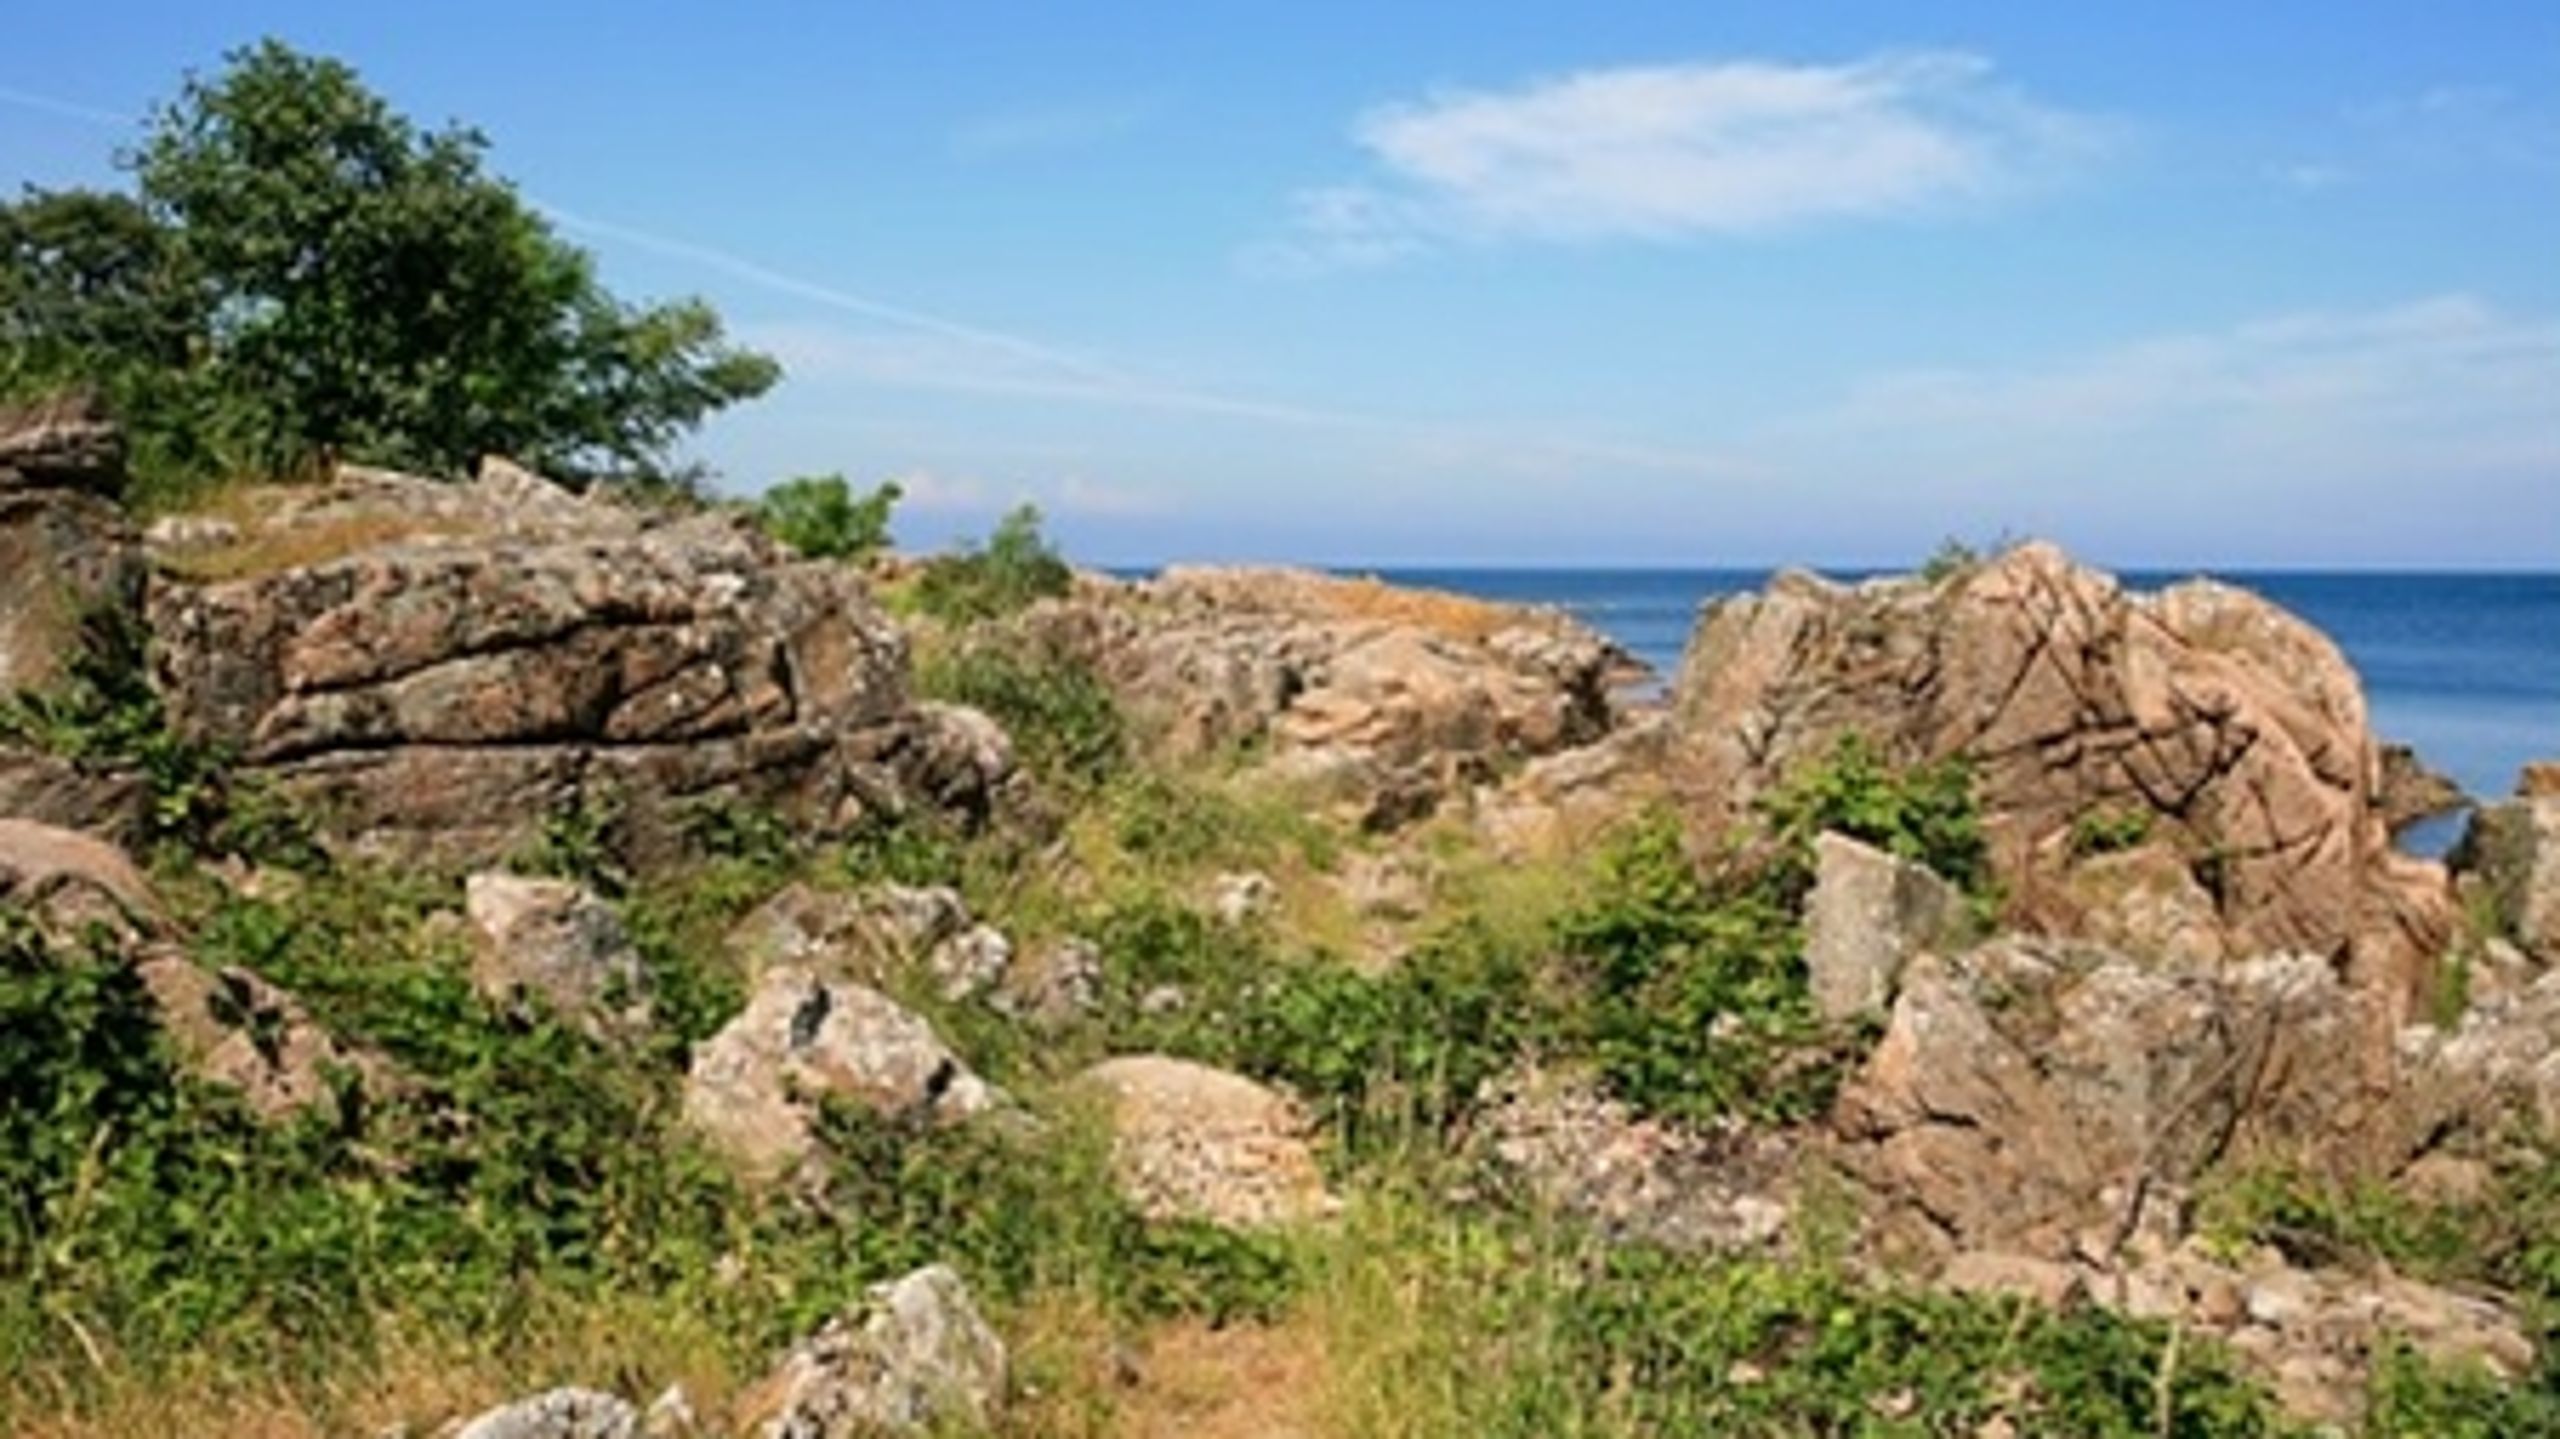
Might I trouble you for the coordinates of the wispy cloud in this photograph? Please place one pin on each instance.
(2462, 127)
(1677, 151)
(1044, 129)
(2436, 385)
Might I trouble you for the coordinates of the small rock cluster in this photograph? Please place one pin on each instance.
(916, 1357)
(1388, 701)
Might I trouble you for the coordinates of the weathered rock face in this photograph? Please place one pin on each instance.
(1586, 1155)
(439, 667)
(555, 940)
(755, 1087)
(1559, 801)
(48, 789)
(66, 551)
(917, 1357)
(69, 881)
(2410, 792)
(2236, 731)
(565, 1413)
(1192, 1142)
(1868, 915)
(2049, 1099)
(2511, 856)
(1391, 699)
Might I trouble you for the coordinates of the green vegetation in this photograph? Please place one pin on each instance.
(1484, 1325)
(2110, 829)
(301, 273)
(104, 716)
(524, 1184)
(2506, 1237)
(487, 1190)
(1065, 724)
(821, 517)
(1923, 813)
(1015, 567)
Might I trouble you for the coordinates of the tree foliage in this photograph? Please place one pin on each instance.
(301, 271)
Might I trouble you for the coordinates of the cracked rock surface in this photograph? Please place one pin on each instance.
(2233, 733)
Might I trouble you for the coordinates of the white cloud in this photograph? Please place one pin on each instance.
(1672, 151)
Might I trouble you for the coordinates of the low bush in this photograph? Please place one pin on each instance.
(1015, 567)
(1923, 813)
(2110, 829)
(821, 517)
(1698, 1005)
(1065, 723)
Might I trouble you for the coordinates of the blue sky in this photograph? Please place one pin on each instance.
(1674, 283)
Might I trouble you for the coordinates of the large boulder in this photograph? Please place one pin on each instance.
(1388, 699)
(1193, 1142)
(915, 1358)
(67, 554)
(2227, 729)
(555, 941)
(2044, 1098)
(69, 881)
(1869, 913)
(441, 667)
(755, 1087)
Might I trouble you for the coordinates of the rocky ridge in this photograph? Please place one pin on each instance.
(2215, 958)
(435, 667)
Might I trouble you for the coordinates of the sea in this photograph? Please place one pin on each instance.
(2464, 668)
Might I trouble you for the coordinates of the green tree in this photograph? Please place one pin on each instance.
(303, 271)
(820, 516)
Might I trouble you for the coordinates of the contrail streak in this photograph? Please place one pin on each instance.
(68, 109)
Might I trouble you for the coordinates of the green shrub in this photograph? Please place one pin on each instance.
(2110, 829)
(820, 516)
(1952, 557)
(1925, 813)
(1512, 1327)
(1017, 1211)
(1698, 1005)
(1015, 567)
(1403, 1053)
(103, 714)
(1065, 723)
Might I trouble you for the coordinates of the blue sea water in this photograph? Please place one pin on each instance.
(2464, 667)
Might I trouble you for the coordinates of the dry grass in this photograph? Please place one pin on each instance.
(1461, 617)
(315, 541)
(1240, 1382)
(412, 1380)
